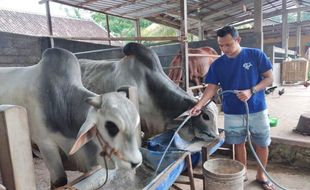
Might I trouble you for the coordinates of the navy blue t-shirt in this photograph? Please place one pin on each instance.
(240, 73)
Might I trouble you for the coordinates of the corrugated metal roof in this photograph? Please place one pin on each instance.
(36, 25)
(212, 13)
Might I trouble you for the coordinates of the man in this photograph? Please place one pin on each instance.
(247, 71)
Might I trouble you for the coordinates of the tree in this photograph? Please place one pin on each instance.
(119, 26)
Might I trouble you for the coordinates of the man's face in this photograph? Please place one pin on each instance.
(229, 45)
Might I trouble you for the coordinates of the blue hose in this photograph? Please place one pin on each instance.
(250, 142)
(248, 137)
(176, 132)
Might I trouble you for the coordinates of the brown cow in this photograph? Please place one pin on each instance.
(198, 65)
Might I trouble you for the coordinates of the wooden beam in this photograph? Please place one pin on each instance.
(230, 20)
(90, 9)
(16, 164)
(129, 2)
(176, 7)
(165, 22)
(108, 27)
(292, 10)
(224, 9)
(171, 38)
(86, 2)
(200, 31)
(281, 50)
(148, 8)
(138, 29)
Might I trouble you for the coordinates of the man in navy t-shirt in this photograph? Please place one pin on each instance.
(247, 72)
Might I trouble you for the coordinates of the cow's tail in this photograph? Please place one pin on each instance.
(143, 53)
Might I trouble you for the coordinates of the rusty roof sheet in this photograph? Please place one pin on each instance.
(211, 13)
(36, 25)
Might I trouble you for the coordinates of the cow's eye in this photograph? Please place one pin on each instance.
(111, 128)
(205, 116)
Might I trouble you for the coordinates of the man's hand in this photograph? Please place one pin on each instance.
(244, 95)
(196, 110)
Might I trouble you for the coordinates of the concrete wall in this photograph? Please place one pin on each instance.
(16, 50)
(293, 155)
(22, 50)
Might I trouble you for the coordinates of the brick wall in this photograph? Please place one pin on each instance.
(23, 50)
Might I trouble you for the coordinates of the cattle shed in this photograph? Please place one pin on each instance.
(202, 18)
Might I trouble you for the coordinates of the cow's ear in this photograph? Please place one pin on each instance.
(95, 101)
(86, 133)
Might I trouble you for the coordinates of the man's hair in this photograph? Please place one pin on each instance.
(227, 30)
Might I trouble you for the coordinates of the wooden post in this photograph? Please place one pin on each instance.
(16, 164)
(258, 23)
(190, 171)
(49, 22)
(108, 27)
(298, 35)
(201, 31)
(138, 28)
(285, 32)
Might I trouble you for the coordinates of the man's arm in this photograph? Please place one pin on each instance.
(208, 93)
(267, 81)
(245, 95)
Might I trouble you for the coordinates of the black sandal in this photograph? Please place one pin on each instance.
(266, 185)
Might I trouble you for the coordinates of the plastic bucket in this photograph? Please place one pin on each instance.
(223, 174)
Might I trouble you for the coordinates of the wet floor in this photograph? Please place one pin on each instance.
(287, 108)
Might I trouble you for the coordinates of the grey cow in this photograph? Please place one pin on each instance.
(160, 99)
(53, 94)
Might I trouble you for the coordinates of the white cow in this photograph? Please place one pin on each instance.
(160, 99)
(60, 108)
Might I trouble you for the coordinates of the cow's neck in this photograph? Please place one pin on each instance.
(71, 108)
(171, 99)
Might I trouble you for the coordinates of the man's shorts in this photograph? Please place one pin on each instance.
(236, 133)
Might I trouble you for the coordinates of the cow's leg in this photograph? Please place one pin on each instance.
(52, 159)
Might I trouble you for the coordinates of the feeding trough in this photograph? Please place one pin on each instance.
(143, 178)
(178, 158)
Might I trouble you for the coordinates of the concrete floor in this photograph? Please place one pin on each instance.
(288, 177)
(287, 108)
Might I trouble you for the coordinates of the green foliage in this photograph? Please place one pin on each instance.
(119, 26)
(158, 30)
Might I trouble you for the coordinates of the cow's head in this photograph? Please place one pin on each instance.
(161, 100)
(113, 119)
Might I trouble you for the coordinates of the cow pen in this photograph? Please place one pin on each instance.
(169, 178)
(20, 174)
